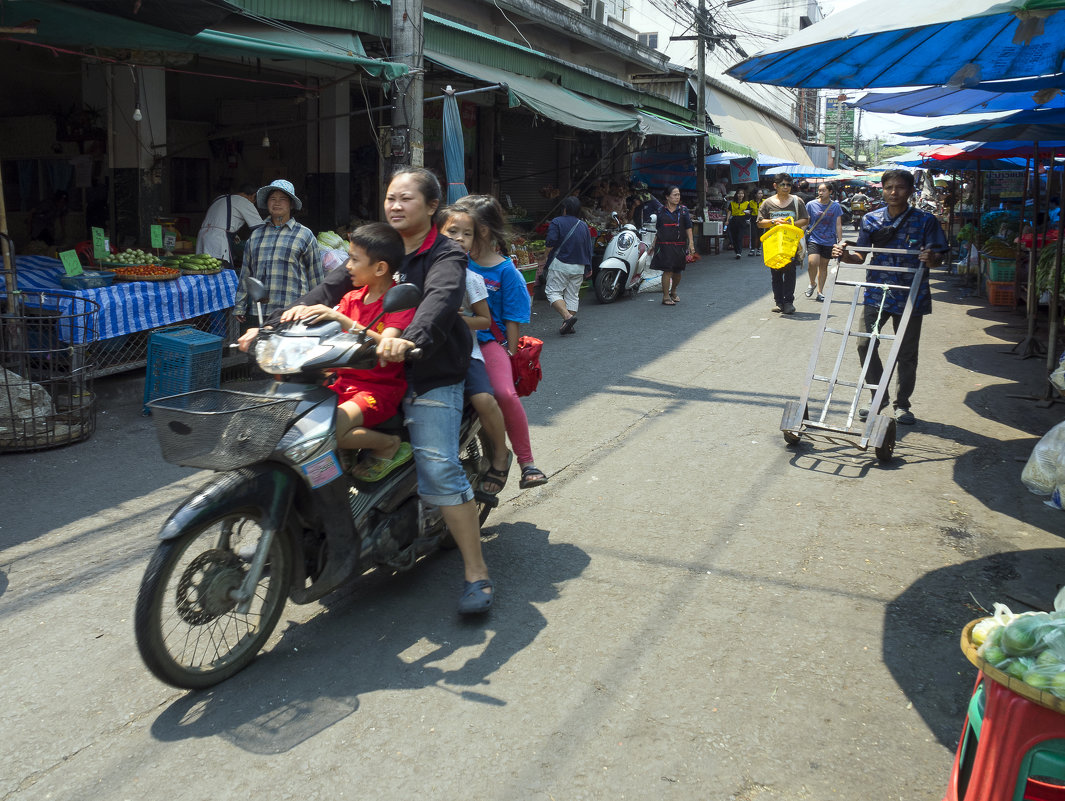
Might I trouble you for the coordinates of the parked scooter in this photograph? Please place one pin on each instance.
(626, 258)
(282, 517)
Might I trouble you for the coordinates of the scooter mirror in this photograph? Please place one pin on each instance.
(614, 217)
(401, 297)
(654, 219)
(256, 290)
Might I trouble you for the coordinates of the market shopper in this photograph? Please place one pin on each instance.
(755, 203)
(227, 215)
(433, 405)
(824, 232)
(896, 226)
(569, 257)
(739, 220)
(779, 209)
(281, 253)
(673, 225)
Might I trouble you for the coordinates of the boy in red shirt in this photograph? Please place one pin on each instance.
(368, 397)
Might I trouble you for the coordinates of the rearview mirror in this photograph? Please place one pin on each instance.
(256, 290)
(401, 297)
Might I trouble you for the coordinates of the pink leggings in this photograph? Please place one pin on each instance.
(501, 374)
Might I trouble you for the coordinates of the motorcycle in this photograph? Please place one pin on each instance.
(626, 258)
(282, 517)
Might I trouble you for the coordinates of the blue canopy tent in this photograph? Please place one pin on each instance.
(804, 172)
(764, 161)
(916, 43)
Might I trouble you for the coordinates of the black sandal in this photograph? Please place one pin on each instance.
(496, 477)
(532, 476)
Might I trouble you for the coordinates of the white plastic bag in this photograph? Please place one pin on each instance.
(1044, 474)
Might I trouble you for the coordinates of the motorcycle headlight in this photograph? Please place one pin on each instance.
(625, 241)
(286, 355)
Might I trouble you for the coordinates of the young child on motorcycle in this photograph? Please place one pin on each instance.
(369, 397)
(456, 224)
(508, 299)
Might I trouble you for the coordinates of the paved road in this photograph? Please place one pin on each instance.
(689, 609)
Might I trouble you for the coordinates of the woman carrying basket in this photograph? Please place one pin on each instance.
(781, 209)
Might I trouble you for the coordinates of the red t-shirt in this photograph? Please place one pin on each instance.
(389, 378)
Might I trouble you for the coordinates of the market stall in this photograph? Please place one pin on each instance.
(129, 310)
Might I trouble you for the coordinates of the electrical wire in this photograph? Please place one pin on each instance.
(512, 25)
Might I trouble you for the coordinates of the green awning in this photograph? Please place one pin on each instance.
(70, 26)
(545, 98)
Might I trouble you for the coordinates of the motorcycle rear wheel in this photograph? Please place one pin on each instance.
(608, 285)
(188, 630)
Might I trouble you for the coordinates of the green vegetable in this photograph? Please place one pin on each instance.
(1022, 636)
(993, 654)
(1037, 678)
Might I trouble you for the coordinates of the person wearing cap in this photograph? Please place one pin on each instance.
(225, 216)
(281, 253)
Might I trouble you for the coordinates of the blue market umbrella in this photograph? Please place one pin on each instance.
(454, 149)
(1038, 125)
(937, 101)
(916, 43)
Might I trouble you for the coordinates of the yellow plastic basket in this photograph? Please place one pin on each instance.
(779, 245)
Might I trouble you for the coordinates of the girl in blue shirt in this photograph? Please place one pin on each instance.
(509, 302)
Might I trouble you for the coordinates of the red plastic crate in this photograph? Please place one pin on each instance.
(1000, 293)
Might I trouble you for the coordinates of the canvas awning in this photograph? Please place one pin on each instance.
(753, 127)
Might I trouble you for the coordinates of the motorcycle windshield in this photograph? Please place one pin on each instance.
(287, 355)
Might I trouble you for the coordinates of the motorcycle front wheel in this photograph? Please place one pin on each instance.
(608, 285)
(189, 631)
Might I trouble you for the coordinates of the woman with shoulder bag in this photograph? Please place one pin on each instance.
(569, 256)
(825, 232)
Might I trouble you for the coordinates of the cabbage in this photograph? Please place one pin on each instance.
(329, 239)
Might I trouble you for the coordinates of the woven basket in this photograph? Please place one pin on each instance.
(215, 271)
(1033, 694)
(120, 277)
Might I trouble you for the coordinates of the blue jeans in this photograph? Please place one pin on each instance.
(434, 421)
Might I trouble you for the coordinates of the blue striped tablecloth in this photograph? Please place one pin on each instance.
(129, 306)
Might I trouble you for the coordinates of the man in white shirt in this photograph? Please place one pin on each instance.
(225, 216)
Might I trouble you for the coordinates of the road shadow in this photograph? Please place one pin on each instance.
(922, 628)
(392, 633)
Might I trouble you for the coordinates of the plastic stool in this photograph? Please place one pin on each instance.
(1011, 749)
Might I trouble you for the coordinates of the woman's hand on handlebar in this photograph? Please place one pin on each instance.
(318, 311)
(394, 349)
(247, 338)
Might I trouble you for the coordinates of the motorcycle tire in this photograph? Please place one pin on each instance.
(188, 630)
(608, 285)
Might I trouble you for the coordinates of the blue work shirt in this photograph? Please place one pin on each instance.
(575, 250)
(918, 231)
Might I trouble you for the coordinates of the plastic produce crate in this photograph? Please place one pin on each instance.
(180, 360)
(1000, 293)
(1001, 269)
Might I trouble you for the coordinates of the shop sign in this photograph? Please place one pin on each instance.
(99, 244)
(157, 236)
(71, 262)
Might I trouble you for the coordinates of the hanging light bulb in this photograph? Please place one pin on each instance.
(266, 139)
(137, 116)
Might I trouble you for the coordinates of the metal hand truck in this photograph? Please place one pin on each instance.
(878, 429)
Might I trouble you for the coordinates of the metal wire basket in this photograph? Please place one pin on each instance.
(220, 429)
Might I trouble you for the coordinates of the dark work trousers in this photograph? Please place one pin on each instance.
(737, 227)
(784, 283)
(905, 364)
(756, 234)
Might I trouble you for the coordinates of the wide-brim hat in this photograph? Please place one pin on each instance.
(284, 186)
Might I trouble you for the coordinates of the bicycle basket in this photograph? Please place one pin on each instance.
(780, 244)
(220, 429)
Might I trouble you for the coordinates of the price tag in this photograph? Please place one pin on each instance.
(99, 244)
(157, 236)
(71, 262)
(169, 241)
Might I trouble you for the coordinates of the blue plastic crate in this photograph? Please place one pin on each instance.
(181, 360)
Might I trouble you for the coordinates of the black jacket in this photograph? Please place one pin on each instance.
(438, 269)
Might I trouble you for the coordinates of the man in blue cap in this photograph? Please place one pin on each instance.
(281, 253)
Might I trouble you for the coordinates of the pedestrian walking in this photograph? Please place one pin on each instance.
(569, 257)
(674, 224)
(739, 221)
(755, 203)
(779, 209)
(825, 231)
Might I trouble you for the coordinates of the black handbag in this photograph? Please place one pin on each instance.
(882, 236)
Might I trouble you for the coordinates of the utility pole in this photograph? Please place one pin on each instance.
(700, 112)
(839, 126)
(408, 142)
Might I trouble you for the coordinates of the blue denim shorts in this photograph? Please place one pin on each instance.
(434, 421)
